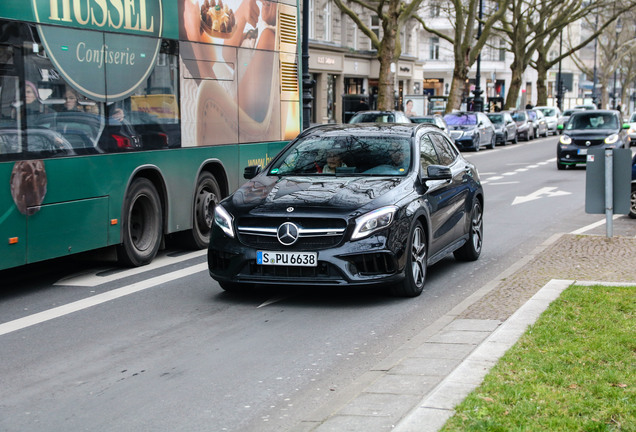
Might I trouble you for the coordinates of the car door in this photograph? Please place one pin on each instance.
(461, 183)
(439, 197)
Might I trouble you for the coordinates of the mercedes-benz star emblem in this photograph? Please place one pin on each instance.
(290, 209)
(287, 234)
(587, 143)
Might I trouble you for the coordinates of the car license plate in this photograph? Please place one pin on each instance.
(581, 151)
(299, 259)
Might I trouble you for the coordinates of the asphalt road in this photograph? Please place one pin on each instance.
(85, 345)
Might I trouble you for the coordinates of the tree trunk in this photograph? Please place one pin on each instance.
(460, 74)
(386, 81)
(542, 77)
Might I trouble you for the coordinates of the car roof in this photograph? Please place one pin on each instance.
(398, 129)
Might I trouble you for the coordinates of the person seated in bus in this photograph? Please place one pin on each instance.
(33, 105)
(71, 100)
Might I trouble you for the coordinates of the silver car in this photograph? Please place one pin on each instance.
(552, 115)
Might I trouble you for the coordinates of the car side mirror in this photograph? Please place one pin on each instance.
(560, 127)
(438, 172)
(251, 171)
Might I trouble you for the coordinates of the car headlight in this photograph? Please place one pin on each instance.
(565, 140)
(223, 220)
(611, 139)
(373, 221)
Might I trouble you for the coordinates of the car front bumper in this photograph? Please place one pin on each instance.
(376, 260)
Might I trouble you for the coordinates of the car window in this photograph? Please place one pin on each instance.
(633, 118)
(345, 154)
(519, 117)
(548, 112)
(496, 118)
(532, 115)
(593, 121)
(428, 155)
(460, 119)
(445, 151)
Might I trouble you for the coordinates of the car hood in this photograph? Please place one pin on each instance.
(269, 195)
(591, 134)
(462, 127)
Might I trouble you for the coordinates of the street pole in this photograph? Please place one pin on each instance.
(594, 97)
(478, 102)
(307, 83)
(559, 81)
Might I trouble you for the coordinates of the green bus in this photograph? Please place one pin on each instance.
(122, 122)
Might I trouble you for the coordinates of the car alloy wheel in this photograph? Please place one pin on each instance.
(415, 270)
(471, 250)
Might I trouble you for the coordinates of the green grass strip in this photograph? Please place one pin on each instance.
(573, 370)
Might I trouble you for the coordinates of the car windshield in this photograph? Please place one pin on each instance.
(496, 118)
(532, 115)
(633, 118)
(373, 118)
(460, 119)
(593, 121)
(519, 117)
(429, 120)
(346, 155)
(548, 112)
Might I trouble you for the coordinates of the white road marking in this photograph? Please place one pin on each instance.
(79, 305)
(592, 226)
(95, 278)
(541, 193)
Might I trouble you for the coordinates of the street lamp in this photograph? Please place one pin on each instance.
(308, 83)
(478, 102)
(559, 80)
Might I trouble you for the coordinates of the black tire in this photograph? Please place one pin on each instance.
(415, 268)
(493, 142)
(516, 140)
(560, 166)
(632, 203)
(476, 143)
(142, 224)
(505, 140)
(206, 195)
(471, 250)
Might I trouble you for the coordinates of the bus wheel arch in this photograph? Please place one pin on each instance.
(142, 222)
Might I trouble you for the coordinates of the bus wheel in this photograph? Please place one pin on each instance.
(206, 196)
(141, 225)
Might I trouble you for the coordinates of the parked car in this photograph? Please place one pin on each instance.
(505, 127)
(552, 116)
(471, 130)
(631, 132)
(585, 107)
(435, 119)
(380, 117)
(401, 199)
(632, 198)
(539, 123)
(565, 117)
(590, 129)
(525, 126)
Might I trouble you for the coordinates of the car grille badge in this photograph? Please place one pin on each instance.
(287, 234)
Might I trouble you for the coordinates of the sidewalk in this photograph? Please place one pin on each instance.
(417, 387)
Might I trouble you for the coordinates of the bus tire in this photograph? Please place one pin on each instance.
(142, 224)
(206, 196)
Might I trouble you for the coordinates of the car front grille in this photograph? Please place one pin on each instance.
(583, 142)
(313, 234)
(323, 273)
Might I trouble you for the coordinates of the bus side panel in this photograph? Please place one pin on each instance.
(13, 228)
(67, 228)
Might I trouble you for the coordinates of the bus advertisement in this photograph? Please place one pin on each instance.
(122, 123)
